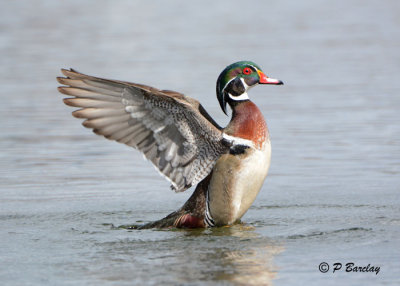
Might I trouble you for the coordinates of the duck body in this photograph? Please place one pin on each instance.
(238, 176)
(173, 131)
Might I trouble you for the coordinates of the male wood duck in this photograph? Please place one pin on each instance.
(175, 133)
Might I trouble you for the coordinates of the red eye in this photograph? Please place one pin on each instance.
(247, 71)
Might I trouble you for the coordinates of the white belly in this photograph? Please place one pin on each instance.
(235, 183)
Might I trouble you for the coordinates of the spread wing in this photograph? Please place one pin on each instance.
(172, 131)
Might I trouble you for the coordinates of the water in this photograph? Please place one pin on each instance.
(332, 194)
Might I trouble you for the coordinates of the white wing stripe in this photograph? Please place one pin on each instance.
(238, 141)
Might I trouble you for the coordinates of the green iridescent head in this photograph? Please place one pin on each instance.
(236, 79)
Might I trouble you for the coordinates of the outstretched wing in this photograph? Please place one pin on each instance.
(173, 131)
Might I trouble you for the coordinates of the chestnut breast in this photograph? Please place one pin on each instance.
(248, 123)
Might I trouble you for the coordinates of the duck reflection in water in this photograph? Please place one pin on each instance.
(236, 254)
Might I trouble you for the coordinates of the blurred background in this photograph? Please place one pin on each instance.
(332, 194)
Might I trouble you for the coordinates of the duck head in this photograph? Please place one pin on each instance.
(236, 79)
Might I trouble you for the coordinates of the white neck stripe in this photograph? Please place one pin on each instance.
(243, 96)
(223, 90)
(246, 87)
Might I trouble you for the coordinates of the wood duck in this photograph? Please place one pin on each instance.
(183, 142)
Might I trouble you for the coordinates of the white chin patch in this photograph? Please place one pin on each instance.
(243, 96)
